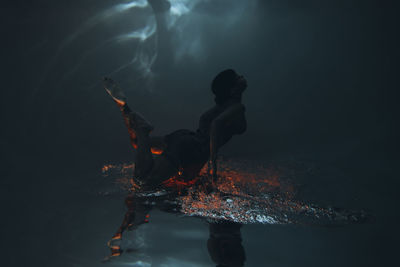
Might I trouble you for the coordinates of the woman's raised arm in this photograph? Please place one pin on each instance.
(226, 119)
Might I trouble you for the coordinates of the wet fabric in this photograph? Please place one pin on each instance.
(189, 150)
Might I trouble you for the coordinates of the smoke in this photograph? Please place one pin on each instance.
(107, 14)
(189, 23)
(84, 28)
(136, 24)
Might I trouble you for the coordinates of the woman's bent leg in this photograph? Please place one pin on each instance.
(138, 128)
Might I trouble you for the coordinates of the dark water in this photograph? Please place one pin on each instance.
(321, 145)
(71, 227)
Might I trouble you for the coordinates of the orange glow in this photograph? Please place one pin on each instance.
(116, 253)
(117, 236)
(106, 168)
(115, 247)
(119, 102)
(156, 151)
(178, 183)
(233, 177)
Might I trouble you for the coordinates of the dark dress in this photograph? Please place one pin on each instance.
(189, 151)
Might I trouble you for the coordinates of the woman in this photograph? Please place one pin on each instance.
(185, 152)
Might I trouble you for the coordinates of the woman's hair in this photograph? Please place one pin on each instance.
(222, 84)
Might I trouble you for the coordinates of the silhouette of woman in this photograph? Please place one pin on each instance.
(184, 151)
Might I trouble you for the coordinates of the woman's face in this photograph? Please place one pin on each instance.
(240, 86)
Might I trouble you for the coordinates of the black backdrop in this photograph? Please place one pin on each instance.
(321, 74)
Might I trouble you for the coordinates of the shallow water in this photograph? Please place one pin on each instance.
(248, 193)
(71, 227)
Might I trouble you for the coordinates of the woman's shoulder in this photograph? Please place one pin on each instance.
(213, 109)
(211, 112)
(238, 106)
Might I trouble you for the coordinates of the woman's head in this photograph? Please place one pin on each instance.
(228, 85)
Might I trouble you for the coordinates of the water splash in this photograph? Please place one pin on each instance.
(248, 192)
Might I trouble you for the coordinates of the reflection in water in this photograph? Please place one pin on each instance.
(248, 192)
(224, 244)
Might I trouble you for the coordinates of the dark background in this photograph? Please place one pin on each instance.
(323, 87)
